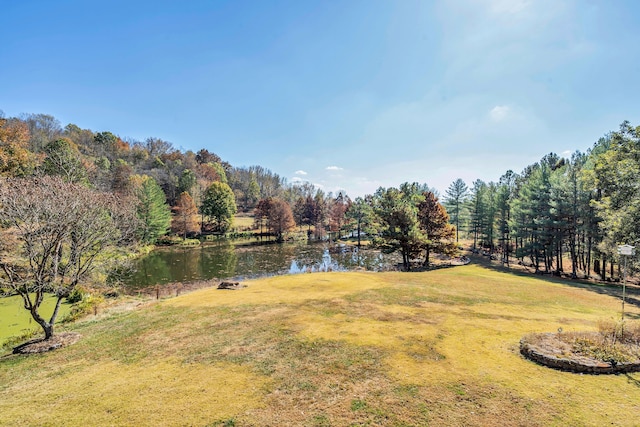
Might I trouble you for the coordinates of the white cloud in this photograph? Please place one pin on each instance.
(334, 168)
(296, 179)
(499, 113)
(508, 7)
(300, 172)
(566, 153)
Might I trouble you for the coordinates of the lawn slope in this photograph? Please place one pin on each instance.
(342, 349)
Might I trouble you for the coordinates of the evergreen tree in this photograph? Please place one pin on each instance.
(362, 214)
(478, 208)
(456, 196)
(504, 195)
(614, 179)
(186, 182)
(533, 224)
(399, 225)
(489, 221)
(153, 211)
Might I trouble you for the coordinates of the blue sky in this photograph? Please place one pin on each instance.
(346, 94)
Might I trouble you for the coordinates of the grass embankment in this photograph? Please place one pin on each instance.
(341, 349)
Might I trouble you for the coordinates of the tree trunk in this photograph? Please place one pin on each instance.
(611, 265)
(574, 258)
(457, 219)
(588, 263)
(47, 327)
(426, 259)
(405, 259)
(48, 331)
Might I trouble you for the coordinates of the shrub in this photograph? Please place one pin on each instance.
(77, 295)
(87, 305)
(620, 331)
(190, 242)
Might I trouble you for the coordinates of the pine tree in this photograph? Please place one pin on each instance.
(456, 196)
(504, 196)
(399, 225)
(153, 211)
(478, 208)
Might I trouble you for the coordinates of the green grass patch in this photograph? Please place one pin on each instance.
(16, 321)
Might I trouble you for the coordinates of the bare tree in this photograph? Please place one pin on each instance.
(52, 235)
(43, 128)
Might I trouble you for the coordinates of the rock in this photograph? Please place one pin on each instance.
(577, 364)
(231, 285)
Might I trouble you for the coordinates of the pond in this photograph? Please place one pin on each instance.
(229, 260)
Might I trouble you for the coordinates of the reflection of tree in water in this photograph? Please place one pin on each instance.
(150, 270)
(338, 258)
(218, 261)
(224, 260)
(350, 257)
(258, 260)
(186, 265)
(325, 263)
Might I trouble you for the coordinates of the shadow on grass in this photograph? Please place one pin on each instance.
(610, 289)
(632, 380)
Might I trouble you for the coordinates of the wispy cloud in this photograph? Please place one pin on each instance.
(300, 172)
(508, 7)
(499, 113)
(334, 168)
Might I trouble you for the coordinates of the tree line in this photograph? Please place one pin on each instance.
(71, 197)
(572, 210)
(74, 201)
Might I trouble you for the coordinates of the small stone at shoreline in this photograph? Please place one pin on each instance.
(231, 285)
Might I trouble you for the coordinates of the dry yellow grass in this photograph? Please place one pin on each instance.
(243, 222)
(153, 393)
(341, 349)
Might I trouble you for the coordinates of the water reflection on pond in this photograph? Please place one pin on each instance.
(225, 259)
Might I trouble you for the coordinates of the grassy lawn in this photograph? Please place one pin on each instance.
(437, 348)
(243, 222)
(14, 319)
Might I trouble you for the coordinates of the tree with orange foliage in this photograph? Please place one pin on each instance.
(434, 223)
(15, 158)
(278, 216)
(184, 220)
(280, 219)
(337, 210)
